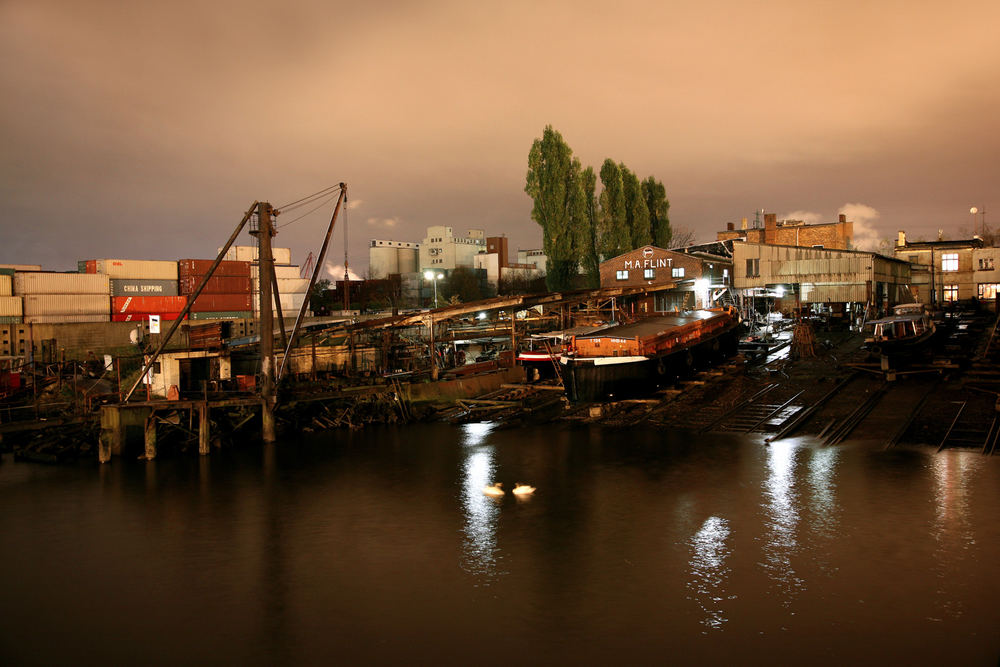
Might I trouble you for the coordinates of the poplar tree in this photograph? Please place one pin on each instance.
(658, 206)
(613, 234)
(588, 232)
(636, 213)
(552, 184)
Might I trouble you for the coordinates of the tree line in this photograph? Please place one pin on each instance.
(580, 227)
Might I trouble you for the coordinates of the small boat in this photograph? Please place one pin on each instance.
(909, 329)
(493, 489)
(633, 359)
(523, 489)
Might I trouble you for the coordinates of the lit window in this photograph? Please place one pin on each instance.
(985, 263)
(951, 292)
(621, 275)
(648, 274)
(949, 261)
(677, 272)
(988, 290)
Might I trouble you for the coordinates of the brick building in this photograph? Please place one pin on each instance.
(837, 235)
(694, 279)
(944, 271)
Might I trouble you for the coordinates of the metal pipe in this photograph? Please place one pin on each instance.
(191, 300)
(312, 281)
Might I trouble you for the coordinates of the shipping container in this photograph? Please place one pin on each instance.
(144, 269)
(286, 285)
(45, 282)
(65, 319)
(11, 306)
(216, 285)
(67, 304)
(148, 304)
(81, 266)
(7, 272)
(216, 302)
(222, 315)
(134, 287)
(199, 267)
(22, 267)
(281, 271)
(248, 253)
(142, 317)
(11, 319)
(6, 285)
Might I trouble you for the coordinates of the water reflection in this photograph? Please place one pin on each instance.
(953, 534)
(709, 570)
(782, 518)
(822, 468)
(479, 549)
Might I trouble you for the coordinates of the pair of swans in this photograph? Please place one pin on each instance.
(496, 489)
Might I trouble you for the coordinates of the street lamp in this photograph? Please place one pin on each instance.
(434, 278)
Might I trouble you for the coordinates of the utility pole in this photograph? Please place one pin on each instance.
(264, 233)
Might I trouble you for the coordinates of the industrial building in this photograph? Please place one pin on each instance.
(689, 280)
(947, 271)
(386, 258)
(441, 249)
(834, 281)
(792, 233)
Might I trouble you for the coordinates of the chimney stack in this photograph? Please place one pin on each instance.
(842, 218)
(730, 227)
(901, 239)
(744, 223)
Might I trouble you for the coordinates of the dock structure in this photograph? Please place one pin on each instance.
(123, 423)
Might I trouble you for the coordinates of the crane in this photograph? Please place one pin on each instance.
(308, 266)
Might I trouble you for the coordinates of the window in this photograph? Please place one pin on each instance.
(985, 263)
(648, 274)
(988, 290)
(913, 258)
(621, 275)
(949, 261)
(677, 272)
(753, 268)
(951, 292)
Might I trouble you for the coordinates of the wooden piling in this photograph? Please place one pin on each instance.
(150, 433)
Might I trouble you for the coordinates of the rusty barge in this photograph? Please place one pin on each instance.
(634, 359)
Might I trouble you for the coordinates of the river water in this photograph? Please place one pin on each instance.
(638, 547)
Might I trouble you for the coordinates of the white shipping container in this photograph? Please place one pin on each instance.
(290, 304)
(286, 285)
(141, 269)
(45, 282)
(65, 319)
(10, 306)
(6, 285)
(282, 271)
(22, 267)
(67, 304)
(248, 253)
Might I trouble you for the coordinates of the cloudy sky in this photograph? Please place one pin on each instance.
(145, 129)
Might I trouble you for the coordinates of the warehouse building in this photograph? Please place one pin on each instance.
(949, 271)
(696, 280)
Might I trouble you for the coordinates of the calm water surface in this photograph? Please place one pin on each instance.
(379, 547)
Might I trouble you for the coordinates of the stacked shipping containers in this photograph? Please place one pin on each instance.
(227, 295)
(11, 309)
(139, 288)
(62, 297)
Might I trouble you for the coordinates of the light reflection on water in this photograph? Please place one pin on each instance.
(822, 471)
(479, 549)
(782, 518)
(953, 534)
(709, 578)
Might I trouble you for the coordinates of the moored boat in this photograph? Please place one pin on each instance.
(634, 359)
(909, 329)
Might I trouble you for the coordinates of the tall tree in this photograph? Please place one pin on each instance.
(658, 206)
(587, 238)
(613, 237)
(636, 214)
(552, 183)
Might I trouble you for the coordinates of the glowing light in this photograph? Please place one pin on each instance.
(429, 275)
(481, 316)
(779, 291)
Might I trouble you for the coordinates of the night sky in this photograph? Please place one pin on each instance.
(142, 131)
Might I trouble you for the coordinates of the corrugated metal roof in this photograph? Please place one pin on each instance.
(651, 326)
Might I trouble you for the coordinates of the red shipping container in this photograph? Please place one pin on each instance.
(196, 268)
(91, 266)
(215, 302)
(142, 317)
(147, 304)
(215, 285)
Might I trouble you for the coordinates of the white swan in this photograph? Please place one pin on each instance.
(493, 489)
(523, 489)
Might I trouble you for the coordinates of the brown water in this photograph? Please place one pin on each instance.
(639, 547)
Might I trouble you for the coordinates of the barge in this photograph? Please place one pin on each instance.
(907, 331)
(634, 359)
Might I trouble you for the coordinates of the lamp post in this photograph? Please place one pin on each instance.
(434, 278)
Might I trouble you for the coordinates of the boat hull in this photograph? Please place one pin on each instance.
(594, 379)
